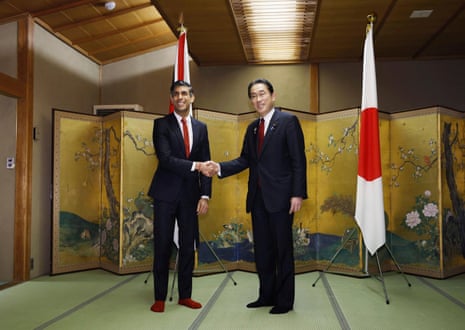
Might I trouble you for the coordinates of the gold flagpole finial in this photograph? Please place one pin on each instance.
(371, 18)
(181, 27)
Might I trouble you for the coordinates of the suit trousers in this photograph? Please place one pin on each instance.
(274, 254)
(166, 213)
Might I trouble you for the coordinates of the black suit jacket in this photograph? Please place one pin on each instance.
(173, 178)
(281, 165)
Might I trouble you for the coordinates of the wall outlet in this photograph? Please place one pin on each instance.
(10, 162)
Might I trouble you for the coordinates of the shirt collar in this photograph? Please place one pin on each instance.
(268, 116)
(178, 117)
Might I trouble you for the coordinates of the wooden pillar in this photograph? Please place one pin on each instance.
(23, 192)
(314, 89)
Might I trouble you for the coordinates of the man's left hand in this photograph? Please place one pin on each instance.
(296, 204)
(202, 206)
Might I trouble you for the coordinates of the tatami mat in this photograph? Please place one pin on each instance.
(101, 300)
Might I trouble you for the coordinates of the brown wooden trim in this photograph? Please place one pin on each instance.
(314, 88)
(54, 10)
(11, 86)
(23, 193)
(115, 32)
(101, 18)
(120, 45)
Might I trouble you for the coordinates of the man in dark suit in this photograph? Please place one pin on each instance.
(179, 191)
(275, 156)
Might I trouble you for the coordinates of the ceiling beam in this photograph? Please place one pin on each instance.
(121, 44)
(100, 18)
(115, 32)
(62, 7)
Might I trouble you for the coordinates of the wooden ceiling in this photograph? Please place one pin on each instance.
(138, 26)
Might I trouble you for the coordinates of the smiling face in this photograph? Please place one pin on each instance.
(261, 98)
(182, 98)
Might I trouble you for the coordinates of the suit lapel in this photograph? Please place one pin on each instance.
(195, 132)
(271, 129)
(174, 127)
(255, 135)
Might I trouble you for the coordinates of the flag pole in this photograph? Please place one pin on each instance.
(371, 18)
(369, 100)
(369, 209)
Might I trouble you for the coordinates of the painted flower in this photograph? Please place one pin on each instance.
(413, 219)
(422, 220)
(427, 160)
(330, 139)
(430, 210)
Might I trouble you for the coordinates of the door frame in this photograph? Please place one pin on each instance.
(21, 88)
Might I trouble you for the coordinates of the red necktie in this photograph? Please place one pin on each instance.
(185, 132)
(261, 134)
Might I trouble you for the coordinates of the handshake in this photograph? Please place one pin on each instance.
(208, 168)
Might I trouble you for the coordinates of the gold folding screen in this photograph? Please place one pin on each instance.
(102, 216)
(76, 192)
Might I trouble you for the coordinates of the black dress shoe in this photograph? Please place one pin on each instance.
(280, 310)
(258, 303)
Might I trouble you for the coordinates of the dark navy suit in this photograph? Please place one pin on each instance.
(276, 174)
(176, 190)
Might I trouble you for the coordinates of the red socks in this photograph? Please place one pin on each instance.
(158, 306)
(188, 302)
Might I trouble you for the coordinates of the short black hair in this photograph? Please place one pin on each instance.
(260, 81)
(178, 83)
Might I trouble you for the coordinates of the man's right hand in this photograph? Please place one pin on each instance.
(209, 168)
